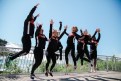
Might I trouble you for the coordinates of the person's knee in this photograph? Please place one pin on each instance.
(26, 51)
(48, 62)
(54, 63)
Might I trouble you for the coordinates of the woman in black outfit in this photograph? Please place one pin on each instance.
(80, 50)
(60, 47)
(27, 35)
(71, 46)
(82, 47)
(87, 38)
(52, 48)
(93, 50)
(38, 51)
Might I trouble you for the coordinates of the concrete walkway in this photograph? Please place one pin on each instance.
(98, 76)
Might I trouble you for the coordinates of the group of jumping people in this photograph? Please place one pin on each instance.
(54, 44)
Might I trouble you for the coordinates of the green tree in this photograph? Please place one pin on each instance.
(13, 68)
(3, 42)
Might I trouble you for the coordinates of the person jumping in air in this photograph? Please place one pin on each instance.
(60, 46)
(38, 51)
(71, 46)
(27, 35)
(93, 50)
(87, 38)
(82, 48)
(52, 48)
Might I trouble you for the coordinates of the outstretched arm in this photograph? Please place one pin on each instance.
(66, 33)
(77, 36)
(32, 11)
(46, 39)
(94, 34)
(63, 33)
(36, 17)
(51, 25)
(81, 32)
(59, 31)
(60, 26)
(99, 35)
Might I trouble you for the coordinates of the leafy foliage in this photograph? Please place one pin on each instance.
(3, 42)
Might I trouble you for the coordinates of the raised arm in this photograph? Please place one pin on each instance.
(77, 36)
(31, 12)
(46, 39)
(66, 33)
(81, 32)
(59, 31)
(36, 17)
(60, 26)
(94, 34)
(99, 35)
(51, 25)
(63, 33)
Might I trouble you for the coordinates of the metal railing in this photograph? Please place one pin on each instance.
(23, 64)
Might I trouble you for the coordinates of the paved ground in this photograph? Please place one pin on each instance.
(98, 76)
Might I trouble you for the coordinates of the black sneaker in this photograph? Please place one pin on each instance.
(51, 74)
(32, 76)
(46, 74)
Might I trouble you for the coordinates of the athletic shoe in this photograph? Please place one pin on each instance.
(32, 76)
(46, 74)
(51, 74)
(75, 67)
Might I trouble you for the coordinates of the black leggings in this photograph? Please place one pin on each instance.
(67, 50)
(60, 50)
(38, 55)
(26, 41)
(51, 56)
(81, 56)
(86, 51)
(60, 47)
(93, 54)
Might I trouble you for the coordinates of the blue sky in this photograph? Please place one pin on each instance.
(85, 14)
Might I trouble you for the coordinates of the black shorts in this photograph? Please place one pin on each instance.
(26, 41)
(93, 55)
